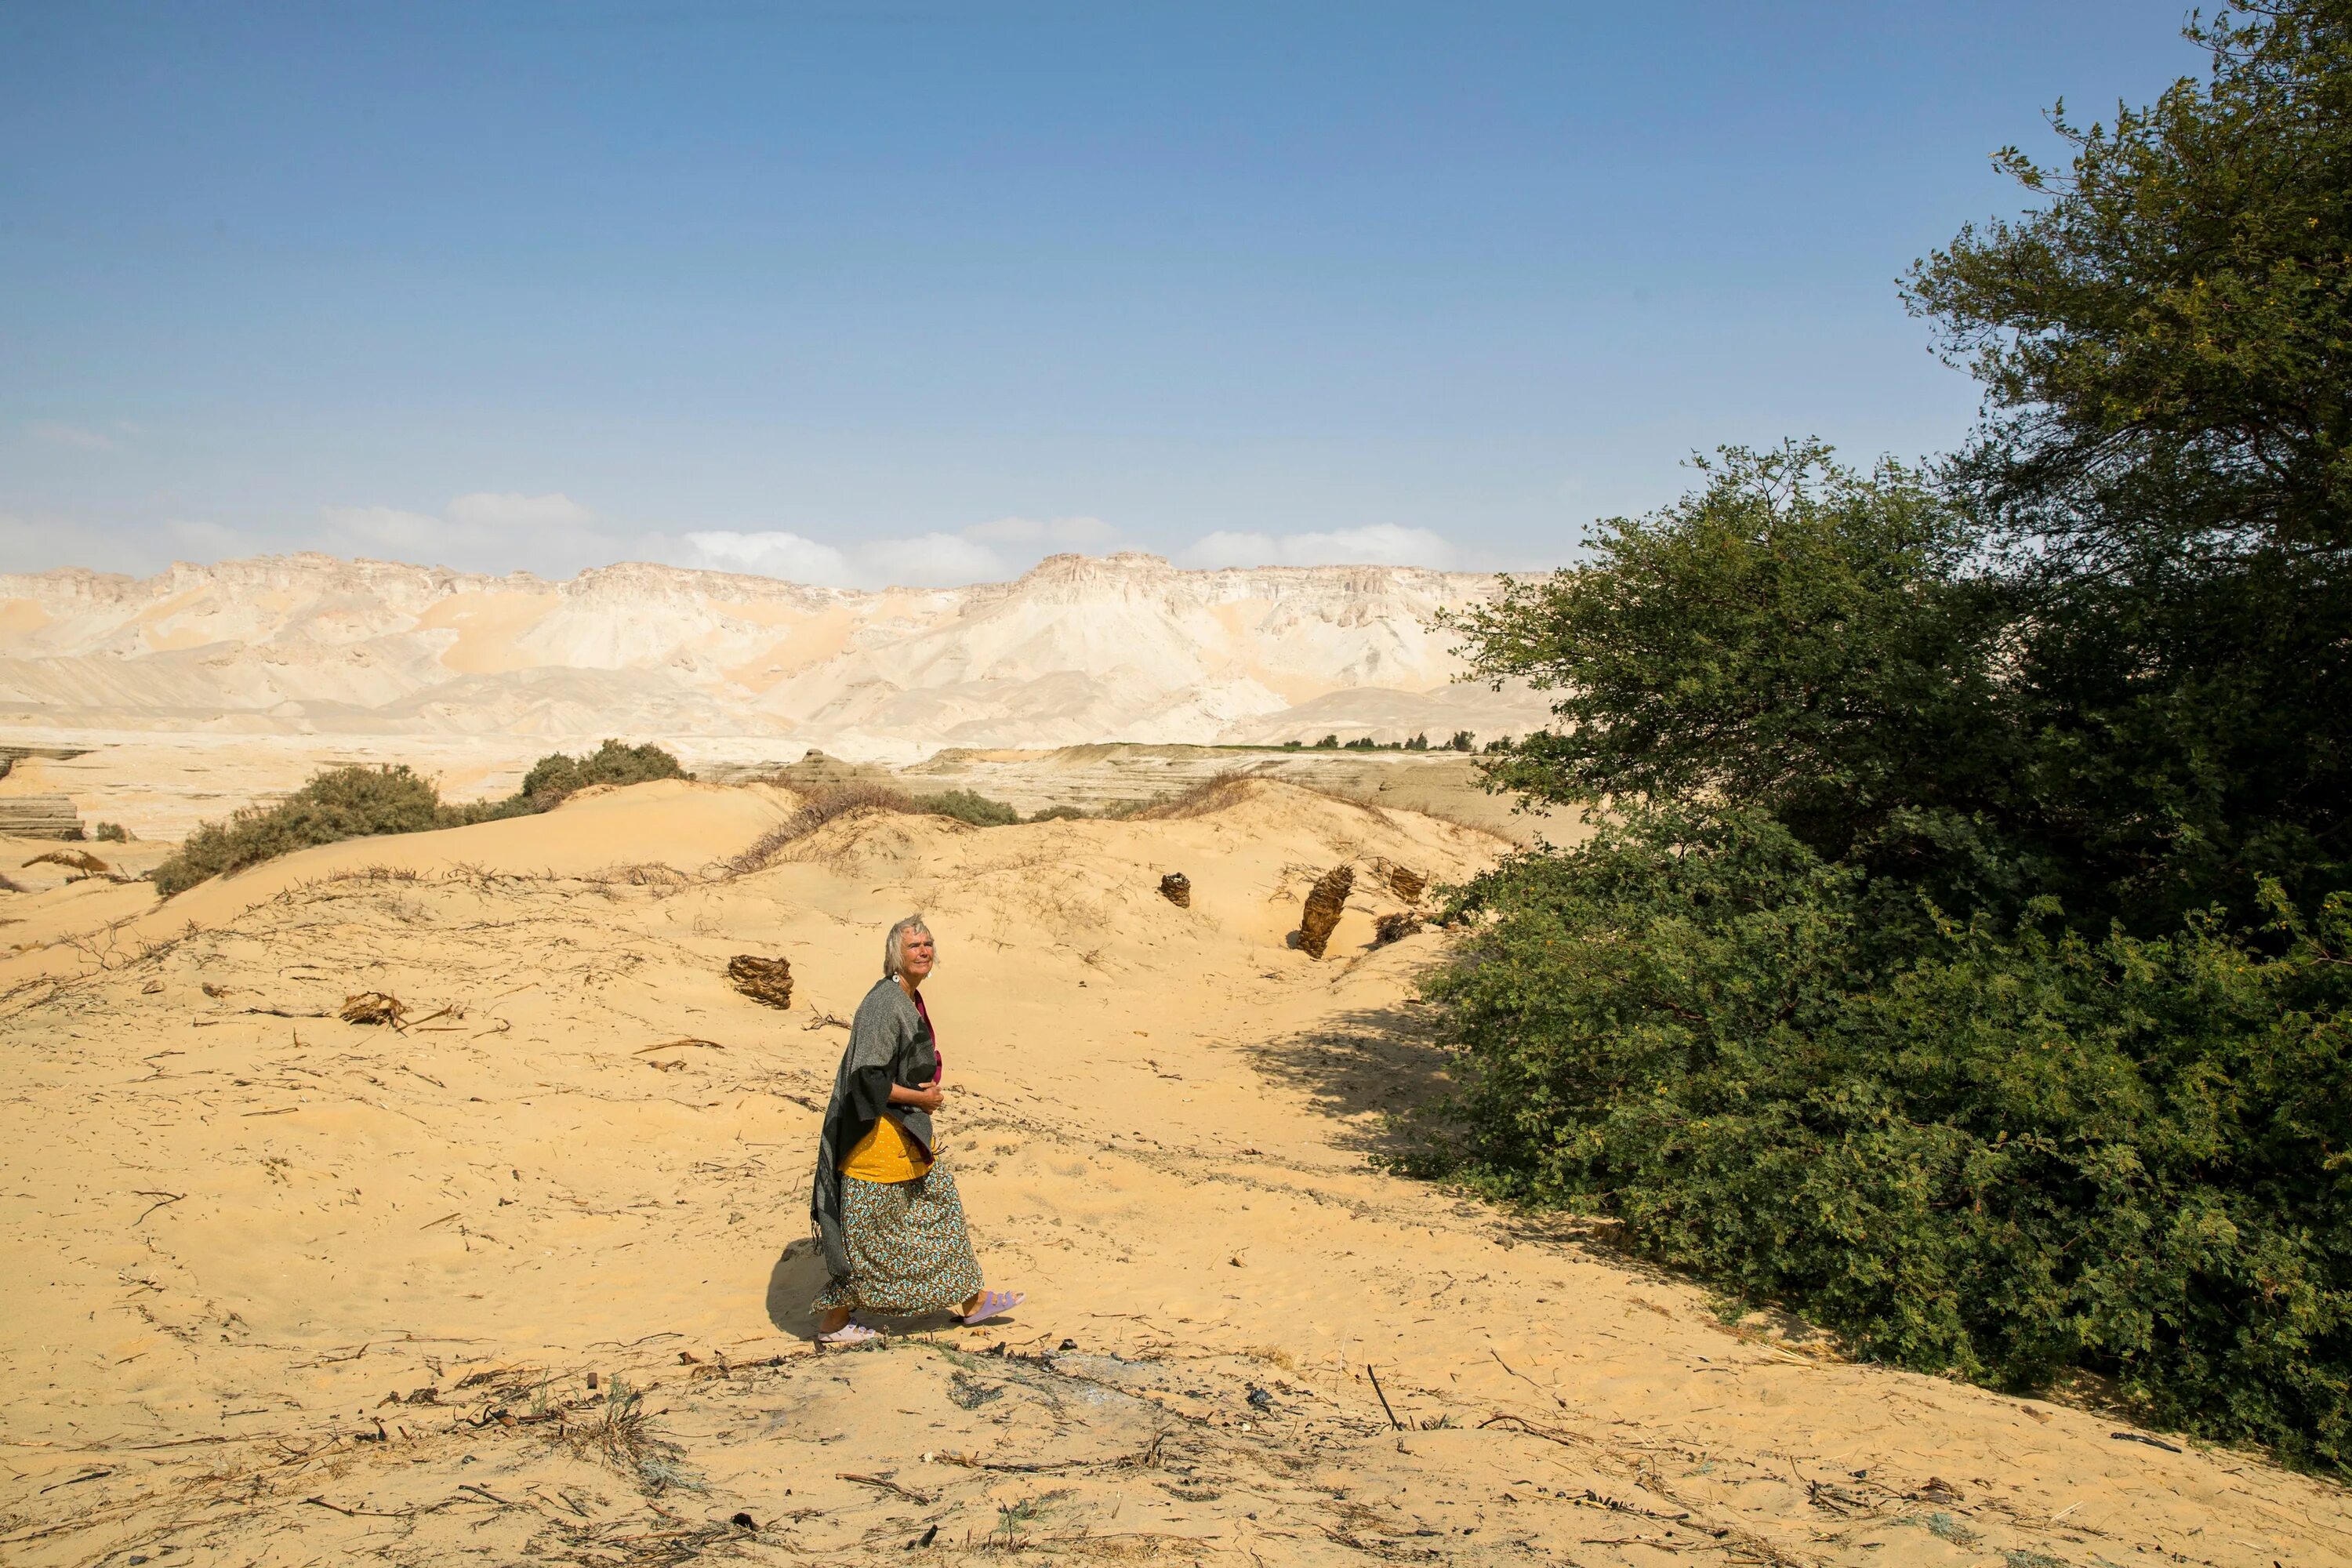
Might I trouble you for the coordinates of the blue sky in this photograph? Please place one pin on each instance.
(917, 292)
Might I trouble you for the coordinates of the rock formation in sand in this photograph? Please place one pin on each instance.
(1325, 902)
(1078, 650)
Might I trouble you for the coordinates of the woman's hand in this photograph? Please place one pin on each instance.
(920, 1099)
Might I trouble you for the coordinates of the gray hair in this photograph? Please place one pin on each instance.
(893, 957)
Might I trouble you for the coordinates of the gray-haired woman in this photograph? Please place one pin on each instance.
(884, 1207)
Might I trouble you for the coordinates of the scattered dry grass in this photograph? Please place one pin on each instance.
(1214, 794)
(73, 860)
(822, 808)
(664, 879)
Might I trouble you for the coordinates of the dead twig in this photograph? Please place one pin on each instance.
(885, 1484)
(164, 1200)
(1383, 1396)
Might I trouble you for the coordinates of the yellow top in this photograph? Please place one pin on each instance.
(886, 1154)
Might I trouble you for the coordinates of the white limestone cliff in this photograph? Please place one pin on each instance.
(1079, 649)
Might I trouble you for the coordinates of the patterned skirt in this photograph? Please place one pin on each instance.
(908, 1251)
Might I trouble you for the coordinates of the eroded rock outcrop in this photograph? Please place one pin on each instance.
(1325, 901)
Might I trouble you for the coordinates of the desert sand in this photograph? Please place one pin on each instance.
(510, 1279)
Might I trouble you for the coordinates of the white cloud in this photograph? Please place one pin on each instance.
(1379, 544)
(57, 432)
(931, 560)
(207, 539)
(388, 528)
(469, 522)
(46, 543)
(487, 509)
(772, 553)
(1071, 531)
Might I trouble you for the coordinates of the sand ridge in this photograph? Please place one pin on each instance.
(288, 1290)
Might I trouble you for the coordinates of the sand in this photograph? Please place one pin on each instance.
(162, 786)
(285, 1289)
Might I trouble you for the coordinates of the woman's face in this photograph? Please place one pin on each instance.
(916, 954)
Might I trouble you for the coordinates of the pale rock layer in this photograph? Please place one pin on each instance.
(1079, 650)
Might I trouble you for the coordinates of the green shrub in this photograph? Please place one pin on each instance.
(556, 775)
(1994, 1152)
(965, 806)
(341, 802)
(358, 802)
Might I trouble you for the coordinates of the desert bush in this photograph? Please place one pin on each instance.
(111, 833)
(1995, 1149)
(358, 801)
(1211, 794)
(1059, 813)
(556, 775)
(966, 806)
(337, 804)
(815, 812)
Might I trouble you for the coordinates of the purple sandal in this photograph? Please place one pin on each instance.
(849, 1334)
(994, 1304)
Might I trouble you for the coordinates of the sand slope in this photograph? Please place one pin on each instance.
(286, 1290)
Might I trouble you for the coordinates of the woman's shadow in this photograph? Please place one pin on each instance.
(793, 1284)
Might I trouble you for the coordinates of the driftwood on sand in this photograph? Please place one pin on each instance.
(372, 1008)
(768, 980)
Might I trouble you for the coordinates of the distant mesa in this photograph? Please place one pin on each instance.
(1080, 650)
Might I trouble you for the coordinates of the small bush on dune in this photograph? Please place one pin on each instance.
(359, 802)
(553, 777)
(1211, 794)
(820, 808)
(339, 804)
(965, 806)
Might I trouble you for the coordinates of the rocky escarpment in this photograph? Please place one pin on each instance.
(1080, 650)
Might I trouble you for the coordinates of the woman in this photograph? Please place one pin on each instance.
(884, 1207)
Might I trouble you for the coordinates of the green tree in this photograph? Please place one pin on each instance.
(1966, 960)
(1794, 636)
(2166, 346)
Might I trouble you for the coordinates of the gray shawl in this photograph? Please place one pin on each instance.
(889, 1042)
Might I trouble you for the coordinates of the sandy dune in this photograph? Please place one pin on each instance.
(285, 1289)
(162, 786)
